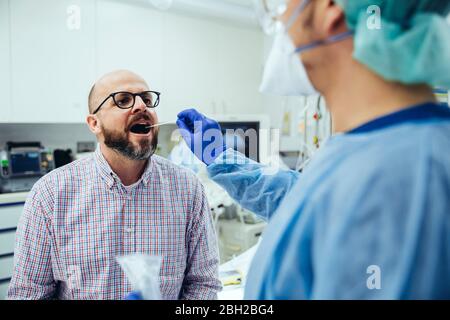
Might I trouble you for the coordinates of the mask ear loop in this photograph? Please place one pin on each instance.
(332, 39)
(296, 13)
(282, 28)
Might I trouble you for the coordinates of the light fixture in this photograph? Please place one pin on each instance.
(161, 4)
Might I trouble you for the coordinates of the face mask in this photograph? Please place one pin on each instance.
(284, 72)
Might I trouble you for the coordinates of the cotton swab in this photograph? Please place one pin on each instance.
(160, 124)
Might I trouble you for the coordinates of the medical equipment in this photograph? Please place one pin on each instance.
(314, 127)
(249, 134)
(237, 236)
(309, 127)
(237, 229)
(22, 164)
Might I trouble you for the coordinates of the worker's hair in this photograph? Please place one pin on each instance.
(90, 99)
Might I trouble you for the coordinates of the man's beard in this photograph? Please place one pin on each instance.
(118, 141)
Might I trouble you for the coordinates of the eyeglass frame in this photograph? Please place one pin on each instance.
(112, 95)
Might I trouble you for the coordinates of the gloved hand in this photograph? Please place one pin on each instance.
(202, 135)
(134, 295)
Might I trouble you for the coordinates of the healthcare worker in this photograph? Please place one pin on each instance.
(369, 217)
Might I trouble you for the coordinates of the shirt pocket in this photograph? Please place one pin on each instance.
(87, 255)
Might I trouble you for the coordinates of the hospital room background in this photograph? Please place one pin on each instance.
(197, 53)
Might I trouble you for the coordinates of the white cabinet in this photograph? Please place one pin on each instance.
(5, 71)
(212, 66)
(129, 36)
(7, 240)
(52, 51)
(190, 65)
(3, 289)
(239, 70)
(10, 215)
(10, 212)
(53, 60)
(6, 267)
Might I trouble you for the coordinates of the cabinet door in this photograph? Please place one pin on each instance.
(10, 216)
(239, 70)
(3, 289)
(6, 267)
(190, 65)
(129, 36)
(5, 88)
(7, 239)
(52, 45)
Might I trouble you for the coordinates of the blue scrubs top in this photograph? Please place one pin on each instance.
(369, 218)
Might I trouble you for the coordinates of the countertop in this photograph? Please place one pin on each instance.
(15, 197)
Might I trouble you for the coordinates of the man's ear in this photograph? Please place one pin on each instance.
(333, 19)
(93, 124)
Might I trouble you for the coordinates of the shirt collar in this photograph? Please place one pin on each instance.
(110, 176)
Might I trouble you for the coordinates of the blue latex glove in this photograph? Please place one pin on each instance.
(202, 135)
(134, 295)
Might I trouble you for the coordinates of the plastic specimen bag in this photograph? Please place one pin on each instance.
(142, 271)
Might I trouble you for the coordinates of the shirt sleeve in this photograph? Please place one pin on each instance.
(201, 281)
(32, 276)
(254, 186)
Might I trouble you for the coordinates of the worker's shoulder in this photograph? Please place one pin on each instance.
(415, 142)
(170, 169)
(401, 152)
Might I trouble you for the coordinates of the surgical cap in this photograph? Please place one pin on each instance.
(412, 44)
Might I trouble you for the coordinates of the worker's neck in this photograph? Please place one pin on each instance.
(357, 95)
(129, 171)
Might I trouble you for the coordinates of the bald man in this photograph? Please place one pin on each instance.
(121, 200)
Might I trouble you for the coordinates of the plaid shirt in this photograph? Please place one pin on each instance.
(78, 218)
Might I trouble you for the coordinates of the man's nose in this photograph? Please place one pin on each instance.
(139, 105)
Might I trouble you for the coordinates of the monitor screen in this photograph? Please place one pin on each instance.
(242, 137)
(25, 163)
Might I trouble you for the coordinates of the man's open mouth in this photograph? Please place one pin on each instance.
(140, 128)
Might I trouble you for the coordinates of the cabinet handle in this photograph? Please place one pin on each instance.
(6, 280)
(7, 230)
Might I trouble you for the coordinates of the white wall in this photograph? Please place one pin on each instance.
(214, 66)
(50, 63)
(5, 88)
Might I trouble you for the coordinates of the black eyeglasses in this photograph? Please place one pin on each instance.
(126, 100)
